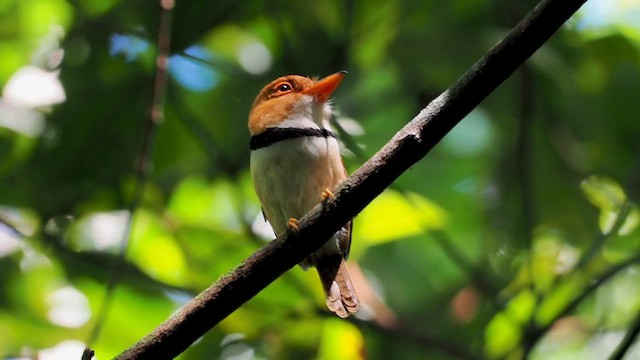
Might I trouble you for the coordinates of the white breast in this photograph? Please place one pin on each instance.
(289, 176)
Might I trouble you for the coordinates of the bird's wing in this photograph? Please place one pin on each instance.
(345, 243)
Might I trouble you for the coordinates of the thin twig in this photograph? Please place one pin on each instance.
(586, 258)
(406, 148)
(11, 227)
(522, 150)
(602, 238)
(475, 273)
(628, 340)
(217, 64)
(348, 140)
(535, 333)
(154, 118)
(87, 354)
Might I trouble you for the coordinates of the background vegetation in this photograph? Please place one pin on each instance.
(517, 236)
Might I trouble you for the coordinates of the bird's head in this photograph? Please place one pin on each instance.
(293, 101)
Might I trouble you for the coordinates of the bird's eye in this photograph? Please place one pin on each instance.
(283, 87)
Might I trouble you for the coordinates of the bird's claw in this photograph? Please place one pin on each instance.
(327, 194)
(292, 224)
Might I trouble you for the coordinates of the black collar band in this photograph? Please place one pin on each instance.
(274, 135)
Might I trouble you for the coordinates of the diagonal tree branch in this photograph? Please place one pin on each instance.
(406, 148)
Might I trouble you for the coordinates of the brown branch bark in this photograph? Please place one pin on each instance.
(406, 148)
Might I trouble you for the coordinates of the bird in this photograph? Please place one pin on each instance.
(295, 163)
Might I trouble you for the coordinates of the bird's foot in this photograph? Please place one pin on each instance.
(293, 224)
(326, 195)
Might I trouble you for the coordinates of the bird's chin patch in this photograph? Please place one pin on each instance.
(305, 104)
(322, 114)
(309, 111)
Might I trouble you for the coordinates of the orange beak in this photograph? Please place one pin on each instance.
(323, 88)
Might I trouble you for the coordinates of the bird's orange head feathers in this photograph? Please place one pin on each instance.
(276, 102)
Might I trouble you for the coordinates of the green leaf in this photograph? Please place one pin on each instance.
(501, 336)
(608, 196)
(155, 250)
(561, 295)
(504, 331)
(341, 340)
(603, 192)
(521, 306)
(631, 222)
(197, 202)
(393, 216)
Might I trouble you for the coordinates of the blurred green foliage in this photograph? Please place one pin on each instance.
(491, 247)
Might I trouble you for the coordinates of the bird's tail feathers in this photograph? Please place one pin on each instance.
(340, 294)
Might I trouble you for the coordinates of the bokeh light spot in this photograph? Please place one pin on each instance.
(255, 58)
